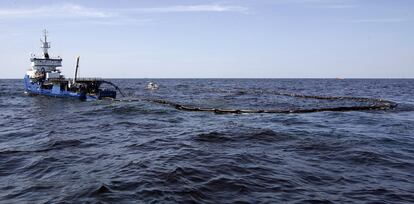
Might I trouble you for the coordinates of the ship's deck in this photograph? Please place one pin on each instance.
(79, 80)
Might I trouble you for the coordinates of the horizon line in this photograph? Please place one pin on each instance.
(336, 78)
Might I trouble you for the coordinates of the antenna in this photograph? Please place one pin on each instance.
(45, 34)
(45, 44)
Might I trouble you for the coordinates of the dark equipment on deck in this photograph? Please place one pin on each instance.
(77, 67)
(91, 86)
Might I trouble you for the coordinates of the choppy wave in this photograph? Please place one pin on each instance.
(65, 151)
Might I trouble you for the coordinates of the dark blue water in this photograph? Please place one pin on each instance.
(59, 150)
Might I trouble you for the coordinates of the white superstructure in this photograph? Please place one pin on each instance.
(45, 66)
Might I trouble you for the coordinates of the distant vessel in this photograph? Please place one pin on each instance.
(44, 78)
(152, 86)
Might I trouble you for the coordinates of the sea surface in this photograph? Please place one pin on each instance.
(65, 151)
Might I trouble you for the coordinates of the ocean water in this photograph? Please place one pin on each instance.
(66, 151)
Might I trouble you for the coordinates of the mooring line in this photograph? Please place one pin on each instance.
(378, 104)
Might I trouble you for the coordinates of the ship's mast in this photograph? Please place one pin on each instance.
(76, 70)
(45, 45)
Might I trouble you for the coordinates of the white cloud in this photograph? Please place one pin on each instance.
(323, 4)
(77, 11)
(108, 16)
(56, 11)
(119, 22)
(193, 8)
(317, 1)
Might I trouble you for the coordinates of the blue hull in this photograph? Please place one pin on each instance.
(34, 88)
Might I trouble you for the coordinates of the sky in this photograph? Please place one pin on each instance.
(213, 39)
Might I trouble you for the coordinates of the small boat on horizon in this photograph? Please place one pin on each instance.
(152, 86)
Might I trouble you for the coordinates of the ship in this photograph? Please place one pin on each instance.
(45, 78)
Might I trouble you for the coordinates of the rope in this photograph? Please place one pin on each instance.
(378, 104)
(115, 86)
